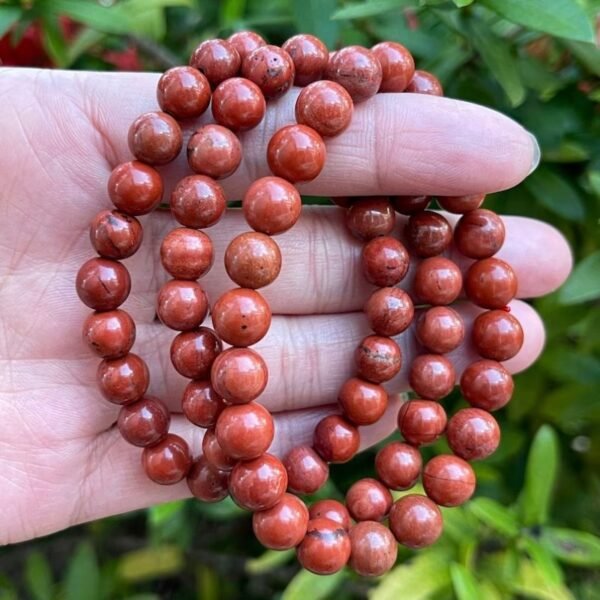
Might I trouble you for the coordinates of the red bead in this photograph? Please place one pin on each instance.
(479, 234)
(416, 521)
(397, 66)
(194, 352)
(358, 70)
(363, 403)
(428, 233)
(155, 138)
(331, 509)
(109, 334)
(135, 188)
(325, 548)
(326, 107)
(181, 305)
(389, 311)
(253, 260)
(238, 104)
(398, 465)
(410, 205)
(374, 549)
(214, 151)
(310, 56)
(115, 234)
(423, 82)
(421, 422)
(245, 42)
(282, 526)
(215, 455)
(487, 384)
(335, 439)
(183, 92)
(368, 500)
(307, 472)
(448, 480)
(378, 358)
(145, 422)
(198, 201)
(186, 253)
(217, 59)
(440, 329)
(103, 284)
(490, 283)
(497, 335)
(432, 376)
(167, 462)
(371, 217)
(461, 204)
(473, 434)
(239, 375)
(385, 261)
(271, 69)
(123, 380)
(437, 281)
(201, 404)
(207, 483)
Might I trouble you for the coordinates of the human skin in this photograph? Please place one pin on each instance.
(62, 459)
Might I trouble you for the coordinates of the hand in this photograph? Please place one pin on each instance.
(62, 461)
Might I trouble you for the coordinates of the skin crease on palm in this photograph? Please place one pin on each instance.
(62, 460)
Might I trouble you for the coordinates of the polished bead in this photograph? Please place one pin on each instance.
(186, 253)
(214, 454)
(155, 138)
(461, 204)
(428, 233)
(421, 422)
(326, 547)
(363, 402)
(183, 92)
(201, 404)
(497, 335)
(271, 69)
(378, 358)
(487, 384)
(181, 305)
(123, 380)
(145, 422)
(167, 462)
(217, 59)
(432, 376)
(423, 82)
(368, 500)
(389, 311)
(440, 329)
(335, 439)
(253, 260)
(109, 334)
(490, 283)
(479, 234)
(307, 472)
(326, 107)
(410, 205)
(282, 526)
(438, 281)
(135, 188)
(245, 42)
(374, 549)
(342, 201)
(198, 201)
(194, 352)
(310, 56)
(448, 480)
(103, 284)
(397, 66)
(206, 482)
(215, 151)
(473, 434)
(416, 521)
(385, 261)
(358, 70)
(331, 509)
(239, 375)
(238, 104)
(115, 234)
(398, 465)
(371, 217)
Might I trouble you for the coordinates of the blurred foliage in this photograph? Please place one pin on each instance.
(532, 530)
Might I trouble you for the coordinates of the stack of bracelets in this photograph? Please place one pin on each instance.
(237, 77)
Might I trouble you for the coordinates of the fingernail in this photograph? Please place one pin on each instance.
(537, 154)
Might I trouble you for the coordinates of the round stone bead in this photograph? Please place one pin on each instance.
(368, 500)
(421, 422)
(326, 107)
(378, 358)
(217, 59)
(145, 422)
(363, 402)
(358, 70)
(183, 92)
(432, 376)
(461, 204)
(207, 483)
(253, 260)
(155, 138)
(410, 205)
(258, 484)
(397, 66)
(239, 375)
(372, 217)
(497, 335)
(423, 82)
(473, 434)
(214, 454)
(214, 151)
(428, 233)
(342, 201)
(167, 462)
(194, 352)
(331, 509)
(307, 472)
(448, 480)
(109, 334)
(198, 201)
(296, 153)
(385, 261)
(398, 465)
(238, 104)
(389, 311)
(282, 526)
(486, 384)
(245, 42)
(186, 253)
(103, 284)
(440, 329)
(335, 439)
(271, 205)
(115, 234)
(201, 404)
(490, 283)
(310, 56)
(416, 521)
(123, 380)
(438, 281)
(325, 548)
(271, 69)
(374, 549)
(245, 431)
(479, 234)
(135, 188)
(181, 305)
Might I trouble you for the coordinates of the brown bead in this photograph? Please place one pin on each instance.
(487, 384)
(296, 153)
(398, 465)
(490, 283)
(307, 472)
(326, 547)
(183, 92)
(440, 329)
(194, 352)
(155, 138)
(389, 311)
(416, 521)
(410, 205)
(109, 334)
(432, 376)
(167, 462)
(245, 42)
(186, 253)
(271, 205)
(479, 234)
(342, 201)
(397, 66)
(423, 82)
(358, 70)
(421, 422)
(241, 317)
(368, 218)
(115, 234)
(473, 434)
(461, 204)
(135, 188)
(282, 526)
(385, 261)
(217, 59)
(145, 422)
(438, 281)
(497, 335)
(428, 233)
(362, 402)
(331, 509)
(245, 431)
(123, 380)
(378, 358)
(374, 549)
(103, 284)
(198, 201)
(448, 480)
(310, 56)
(207, 483)
(258, 484)
(326, 107)
(271, 69)
(201, 404)
(335, 439)
(239, 375)
(368, 500)
(181, 305)
(214, 151)
(214, 454)
(238, 104)
(253, 260)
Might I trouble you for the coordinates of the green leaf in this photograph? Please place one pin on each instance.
(232, 11)
(38, 577)
(83, 574)
(464, 584)
(546, 564)
(584, 283)
(268, 561)
(110, 19)
(577, 548)
(9, 15)
(562, 18)
(531, 583)
(151, 563)
(306, 585)
(588, 54)
(461, 3)
(495, 516)
(369, 9)
(314, 16)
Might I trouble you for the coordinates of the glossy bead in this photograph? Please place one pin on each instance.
(217, 59)
(307, 472)
(410, 205)
(186, 253)
(310, 56)
(271, 205)
(109, 334)
(207, 483)
(423, 82)
(448, 480)
(115, 234)
(253, 260)
(358, 70)
(398, 465)
(245, 42)
(432, 376)
(135, 188)
(421, 422)
(397, 66)
(282, 526)
(239, 375)
(368, 500)
(335, 439)
(326, 547)
(145, 422)
(258, 484)
(271, 69)
(428, 233)
(183, 92)
(326, 107)
(331, 509)
(363, 402)
(385, 261)
(201, 404)
(155, 138)
(245, 431)
(194, 352)
(389, 311)
(440, 329)
(486, 384)
(296, 153)
(342, 201)
(214, 454)
(473, 434)
(103, 284)
(374, 549)
(416, 521)
(181, 305)
(490, 283)
(438, 281)
(461, 204)
(214, 151)
(198, 201)
(238, 104)
(497, 335)
(167, 462)
(368, 218)
(479, 234)
(378, 358)
(123, 380)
